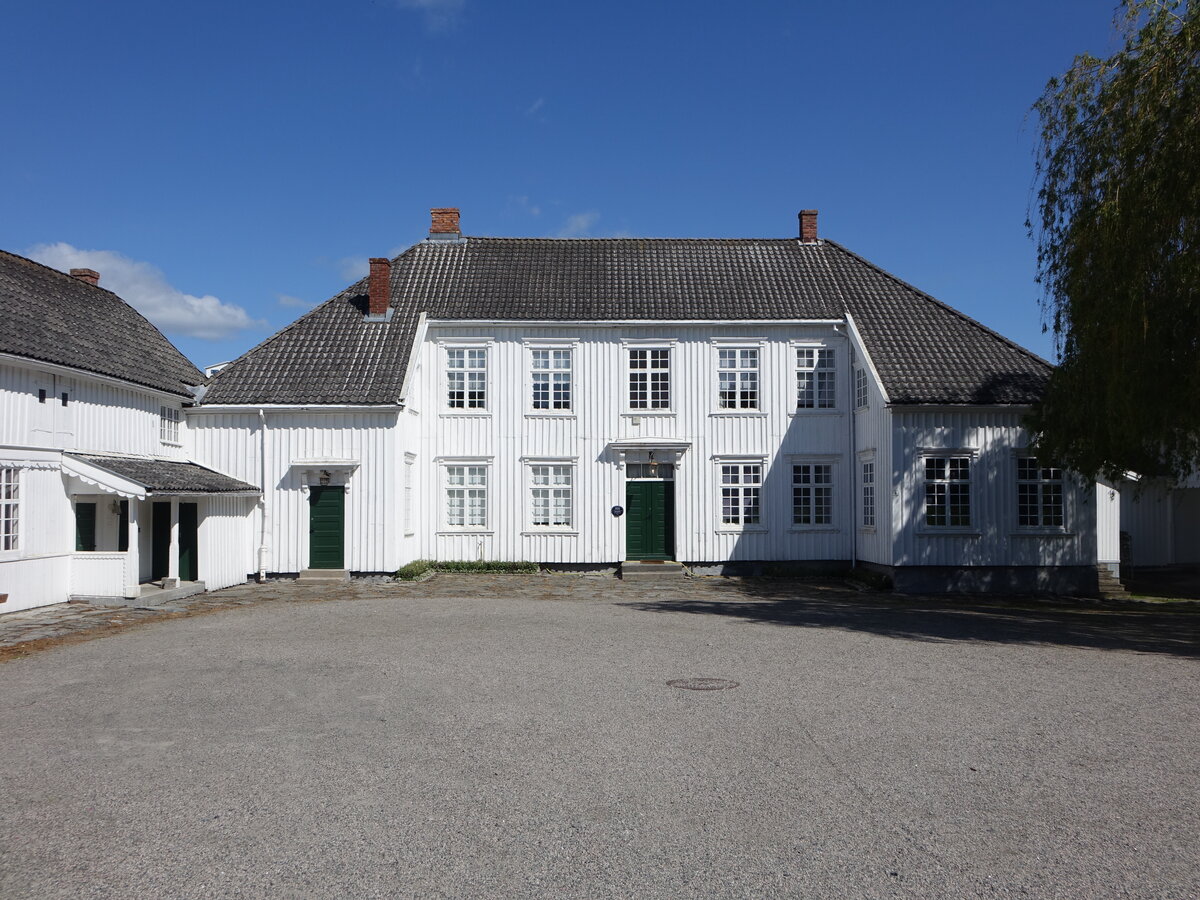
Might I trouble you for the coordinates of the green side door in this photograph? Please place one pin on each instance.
(650, 520)
(85, 526)
(189, 542)
(326, 527)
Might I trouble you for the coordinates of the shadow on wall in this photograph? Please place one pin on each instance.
(958, 619)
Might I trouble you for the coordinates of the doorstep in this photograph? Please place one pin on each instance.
(325, 575)
(652, 570)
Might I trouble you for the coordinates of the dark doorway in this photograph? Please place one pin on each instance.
(85, 526)
(160, 541)
(326, 527)
(189, 542)
(650, 526)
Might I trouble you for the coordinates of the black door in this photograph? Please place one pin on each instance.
(189, 542)
(160, 541)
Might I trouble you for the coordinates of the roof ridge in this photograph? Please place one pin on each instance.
(612, 240)
(936, 302)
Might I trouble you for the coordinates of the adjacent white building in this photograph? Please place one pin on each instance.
(97, 495)
(732, 405)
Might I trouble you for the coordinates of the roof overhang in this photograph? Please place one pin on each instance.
(109, 482)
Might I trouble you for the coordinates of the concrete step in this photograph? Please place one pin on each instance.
(151, 595)
(651, 570)
(324, 574)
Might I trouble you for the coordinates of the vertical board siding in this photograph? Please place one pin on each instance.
(1108, 523)
(226, 541)
(40, 572)
(1146, 515)
(230, 443)
(993, 435)
(98, 574)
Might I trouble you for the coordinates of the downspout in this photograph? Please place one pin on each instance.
(262, 480)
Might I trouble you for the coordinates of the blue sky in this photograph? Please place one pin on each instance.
(226, 165)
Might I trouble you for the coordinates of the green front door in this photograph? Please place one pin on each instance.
(85, 526)
(160, 541)
(326, 517)
(650, 520)
(189, 542)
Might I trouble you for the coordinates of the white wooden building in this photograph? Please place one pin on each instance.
(97, 495)
(729, 404)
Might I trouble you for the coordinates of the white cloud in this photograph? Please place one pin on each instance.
(294, 302)
(439, 14)
(536, 106)
(147, 290)
(522, 202)
(352, 268)
(578, 225)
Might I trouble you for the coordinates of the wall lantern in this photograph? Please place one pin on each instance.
(653, 465)
(324, 479)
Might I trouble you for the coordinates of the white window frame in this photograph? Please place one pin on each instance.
(737, 348)
(862, 390)
(1041, 484)
(531, 485)
(168, 425)
(466, 347)
(868, 478)
(816, 348)
(446, 466)
(628, 348)
(410, 460)
(551, 347)
(741, 463)
(831, 462)
(923, 457)
(10, 511)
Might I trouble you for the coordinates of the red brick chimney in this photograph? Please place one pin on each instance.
(91, 276)
(379, 286)
(808, 226)
(444, 223)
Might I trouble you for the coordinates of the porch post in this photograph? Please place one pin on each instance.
(173, 560)
(132, 560)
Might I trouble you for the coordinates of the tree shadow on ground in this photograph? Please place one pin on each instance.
(942, 619)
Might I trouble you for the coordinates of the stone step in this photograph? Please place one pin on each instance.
(324, 574)
(651, 570)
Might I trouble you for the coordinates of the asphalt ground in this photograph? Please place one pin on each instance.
(518, 736)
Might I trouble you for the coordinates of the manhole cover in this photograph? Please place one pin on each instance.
(702, 684)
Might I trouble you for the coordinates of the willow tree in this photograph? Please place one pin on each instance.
(1118, 215)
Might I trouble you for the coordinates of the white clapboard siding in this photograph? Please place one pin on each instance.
(40, 571)
(226, 541)
(230, 442)
(1146, 515)
(1108, 523)
(992, 435)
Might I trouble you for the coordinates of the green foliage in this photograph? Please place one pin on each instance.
(1118, 177)
(419, 567)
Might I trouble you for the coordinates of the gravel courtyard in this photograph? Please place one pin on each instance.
(519, 736)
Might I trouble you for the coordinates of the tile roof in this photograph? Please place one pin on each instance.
(925, 352)
(164, 476)
(56, 318)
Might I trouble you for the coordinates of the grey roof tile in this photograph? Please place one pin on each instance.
(55, 318)
(164, 476)
(925, 351)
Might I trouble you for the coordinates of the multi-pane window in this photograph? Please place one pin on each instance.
(812, 494)
(466, 378)
(650, 379)
(815, 378)
(1039, 494)
(168, 424)
(649, 471)
(860, 388)
(10, 503)
(552, 379)
(737, 378)
(741, 487)
(552, 503)
(868, 494)
(948, 491)
(466, 496)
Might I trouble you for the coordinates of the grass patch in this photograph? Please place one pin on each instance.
(420, 567)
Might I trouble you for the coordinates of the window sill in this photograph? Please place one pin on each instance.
(170, 443)
(1041, 532)
(476, 531)
(949, 532)
(816, 412)
(744, 529)
(813, 529)
(866, 529)
(648, 414)
(550, 415)
(465, 414)
(739, 414)
(549, 532)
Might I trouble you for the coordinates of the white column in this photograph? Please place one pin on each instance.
(132, 556)
(173, 563)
